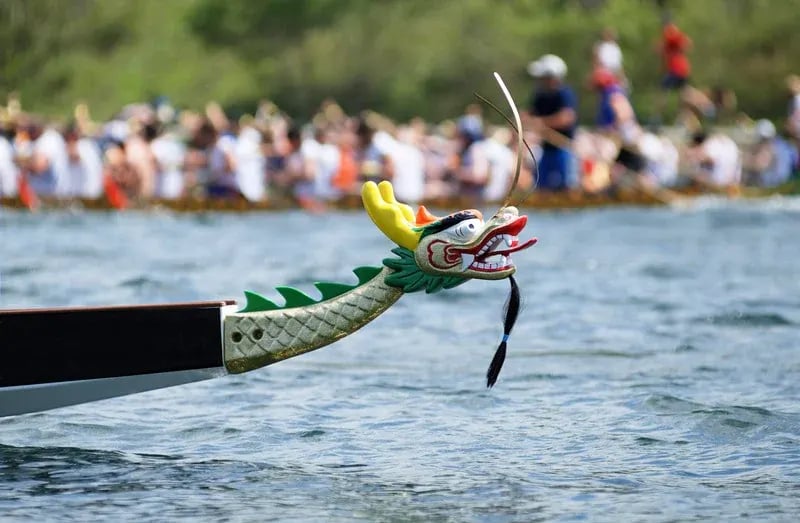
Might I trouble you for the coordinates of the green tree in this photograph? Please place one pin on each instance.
(401, 57)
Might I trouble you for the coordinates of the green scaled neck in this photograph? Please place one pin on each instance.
(409, 277)
(296, 298)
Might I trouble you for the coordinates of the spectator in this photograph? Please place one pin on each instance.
(323, 158)
(85, 165)
(374, 163)
(771, 160)
(793, 115)
(617, 120)
(608, 55)
(553, 112)
(120, 171)
(299, 171)
(714, 160)
(45, 162)
(409, 162)
(251, 164)
(501, 165)
(472, 172)
(198, 163)
(9, 174)
(673, 47)
(169, 154)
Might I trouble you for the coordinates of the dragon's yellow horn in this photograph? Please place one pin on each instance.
(394, 219)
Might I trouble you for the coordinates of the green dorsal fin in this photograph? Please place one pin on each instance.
(256, 302)
(294, 297)
(331, 289)
(365, 274)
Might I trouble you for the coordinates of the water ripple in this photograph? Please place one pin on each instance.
(746, 319)
(636, 388)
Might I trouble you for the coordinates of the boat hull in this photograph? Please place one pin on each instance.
(539, 200)
(25, 399)
(58, 357)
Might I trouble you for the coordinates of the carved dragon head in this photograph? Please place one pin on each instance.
(441, 252)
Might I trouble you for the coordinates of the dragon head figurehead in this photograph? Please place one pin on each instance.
(437, 253)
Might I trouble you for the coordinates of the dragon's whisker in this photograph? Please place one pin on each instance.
(515, 181)
(517, 125)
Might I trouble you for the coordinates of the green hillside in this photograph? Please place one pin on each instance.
(402, 57)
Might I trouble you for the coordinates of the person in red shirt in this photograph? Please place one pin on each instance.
(673, 46)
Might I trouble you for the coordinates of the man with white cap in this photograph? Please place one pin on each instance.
(771, 159)
(553, 108)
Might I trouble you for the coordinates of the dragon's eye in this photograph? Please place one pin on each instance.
(466, 230)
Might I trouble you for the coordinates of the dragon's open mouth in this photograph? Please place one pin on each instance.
(493, 251)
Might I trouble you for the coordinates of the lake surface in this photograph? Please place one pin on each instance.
(654, 374)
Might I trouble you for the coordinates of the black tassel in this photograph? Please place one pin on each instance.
(496, 365)
(511, 312)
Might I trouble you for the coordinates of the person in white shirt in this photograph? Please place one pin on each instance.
(85, 165)
(409, 163)
(169, 153)
(608, 54)
(328, 166)
(715, 159)
(661, 157)
(48, 166)
(8, 171)
(323, 158)
(250, 164)
(501, 165)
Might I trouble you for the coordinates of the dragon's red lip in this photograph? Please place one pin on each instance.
(477, 258)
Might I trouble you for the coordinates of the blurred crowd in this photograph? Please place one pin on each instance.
(710, 144)
(154, 151)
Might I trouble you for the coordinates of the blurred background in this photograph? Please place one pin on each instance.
(403, 58)
(281, 103)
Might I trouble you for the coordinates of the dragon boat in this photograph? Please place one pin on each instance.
(58, 357)
(621, 196)
(537, 201)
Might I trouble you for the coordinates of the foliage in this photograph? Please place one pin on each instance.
(402, 57)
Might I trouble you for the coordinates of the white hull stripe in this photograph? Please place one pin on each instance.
(23, 399)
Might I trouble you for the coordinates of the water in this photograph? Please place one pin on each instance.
(654, 374)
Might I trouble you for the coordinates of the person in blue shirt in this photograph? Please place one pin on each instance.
(617, 120)
(553, 107)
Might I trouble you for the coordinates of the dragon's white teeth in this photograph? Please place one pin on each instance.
(495, 243)
(503, 261)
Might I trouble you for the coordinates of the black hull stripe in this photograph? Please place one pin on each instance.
(55, 345)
